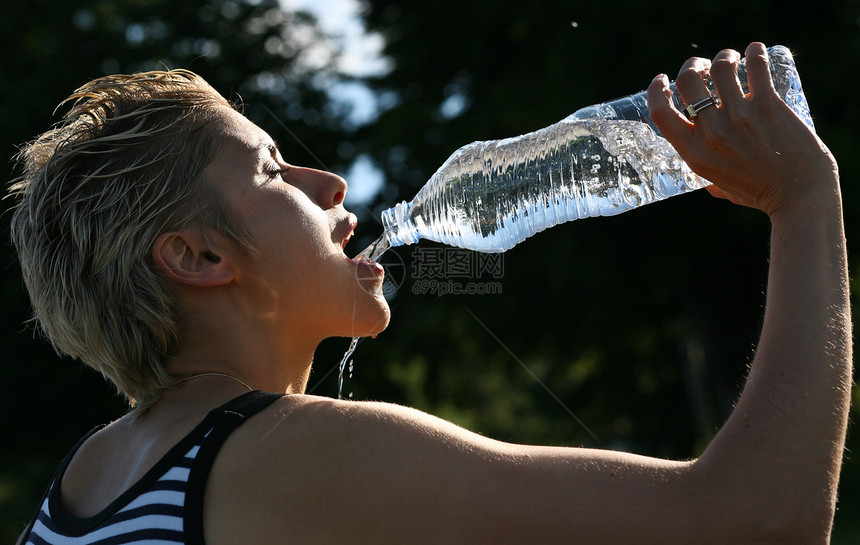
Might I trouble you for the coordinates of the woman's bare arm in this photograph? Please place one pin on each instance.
(781, 450)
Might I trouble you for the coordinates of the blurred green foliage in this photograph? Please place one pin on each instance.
(632, 332)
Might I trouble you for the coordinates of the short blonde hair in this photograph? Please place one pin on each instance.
(123, 166)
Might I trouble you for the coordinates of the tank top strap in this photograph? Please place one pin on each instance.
(229, 417)
(247, 404)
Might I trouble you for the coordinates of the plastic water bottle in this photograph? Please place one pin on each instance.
(600, 161)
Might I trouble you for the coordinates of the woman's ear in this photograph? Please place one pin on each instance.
(186, 258)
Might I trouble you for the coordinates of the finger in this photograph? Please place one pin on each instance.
(673, 125)
(724, 74)
(691, 79)
(692, 87)
(758, 70)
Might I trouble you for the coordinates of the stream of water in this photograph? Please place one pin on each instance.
(373, 253)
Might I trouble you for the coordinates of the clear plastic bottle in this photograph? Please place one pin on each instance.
(600, 161)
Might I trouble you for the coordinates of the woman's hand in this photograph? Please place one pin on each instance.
(780, 451)
(752, 147)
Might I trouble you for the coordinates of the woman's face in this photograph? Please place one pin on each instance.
(300, 281)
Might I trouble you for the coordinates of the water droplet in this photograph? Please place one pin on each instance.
(342, 366)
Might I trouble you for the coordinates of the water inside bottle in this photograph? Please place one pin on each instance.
(490, 196)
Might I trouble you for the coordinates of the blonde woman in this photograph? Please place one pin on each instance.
(166, 242)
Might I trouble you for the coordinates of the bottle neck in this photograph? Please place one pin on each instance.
(399, 226)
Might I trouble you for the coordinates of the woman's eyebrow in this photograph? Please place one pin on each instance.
(274, 148)
(269, 146)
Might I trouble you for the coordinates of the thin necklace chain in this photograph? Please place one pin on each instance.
(213, 374)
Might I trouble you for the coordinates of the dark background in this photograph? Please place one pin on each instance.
(632, 332)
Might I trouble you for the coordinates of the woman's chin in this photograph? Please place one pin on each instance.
(374, 322)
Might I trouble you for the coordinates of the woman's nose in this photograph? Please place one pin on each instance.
(340, 190)
(325, 188)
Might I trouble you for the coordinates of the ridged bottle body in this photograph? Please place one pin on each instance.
(600, 161)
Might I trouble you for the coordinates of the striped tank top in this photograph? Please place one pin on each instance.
(165, 506)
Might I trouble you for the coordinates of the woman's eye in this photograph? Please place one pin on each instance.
(278, 172)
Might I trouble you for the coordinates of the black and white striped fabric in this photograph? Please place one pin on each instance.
(165, 506)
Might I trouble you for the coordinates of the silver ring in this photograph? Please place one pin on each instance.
(693, 110)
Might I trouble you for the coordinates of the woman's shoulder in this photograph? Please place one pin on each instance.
(304, 441)
(310, 419)
(300, 437)
(296, 465)
(307, 418)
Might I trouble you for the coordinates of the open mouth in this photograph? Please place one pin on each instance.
(352, 222)
(368, 270)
